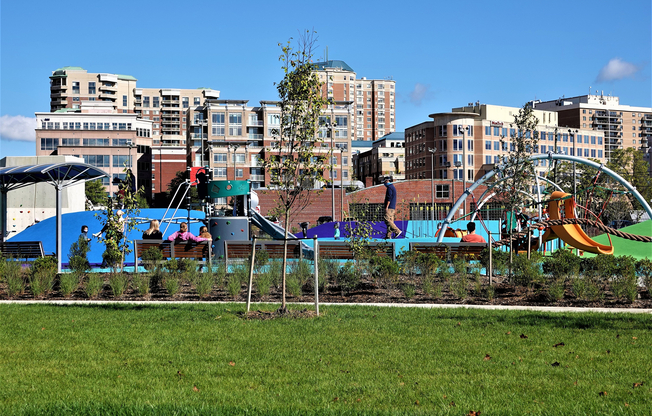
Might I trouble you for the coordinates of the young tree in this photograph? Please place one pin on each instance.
(516, 167)
(292, 163)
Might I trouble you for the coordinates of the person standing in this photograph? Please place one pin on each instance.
(471, 236)
(390, 208)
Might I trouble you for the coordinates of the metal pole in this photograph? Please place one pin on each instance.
(341, 184)
(574, 137)
(330, 127)
(251, 272)
(464, 166)
(491, 263)
(316, 256)
(58, 228)
(432, 181)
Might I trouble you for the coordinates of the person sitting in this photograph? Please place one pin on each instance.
(203, 233)
(471, 236)
(184, 235)
(153, 232)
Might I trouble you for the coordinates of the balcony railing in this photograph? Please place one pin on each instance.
(257, 178)
(255, 122)
(198, 136)
(255, 136)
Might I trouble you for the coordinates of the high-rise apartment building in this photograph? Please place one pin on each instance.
(623, 126)
(374, 100)
(478, 148)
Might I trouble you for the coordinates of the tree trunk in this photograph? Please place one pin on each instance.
(285, 263)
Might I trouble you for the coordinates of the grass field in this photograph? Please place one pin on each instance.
(205, 359)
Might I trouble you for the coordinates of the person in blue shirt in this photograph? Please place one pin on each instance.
(390, 208)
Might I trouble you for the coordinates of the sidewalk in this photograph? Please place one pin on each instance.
(551, 309)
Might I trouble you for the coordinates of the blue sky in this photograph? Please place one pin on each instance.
(441, 54)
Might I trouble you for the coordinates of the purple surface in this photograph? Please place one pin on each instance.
(328, 230)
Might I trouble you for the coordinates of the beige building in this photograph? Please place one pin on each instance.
(623, 126)
(481, 126)
(385, 158)
(100, 136)
(374, 99)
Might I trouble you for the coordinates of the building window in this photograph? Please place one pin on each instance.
(69, 142)
(487, 145)
(155, 102)
(235, 124)
(91, 88)
(75, 87)
(100, 161)
(197, 101)
(487, 130)
(239, 173)
(146, 103)
(220, 172)
(185, 102)
(219, 158)
(442, 191)
(49, 144)
(120, 161)
(217, 124)
(124, 100)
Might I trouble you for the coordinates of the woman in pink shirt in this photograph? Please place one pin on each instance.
(184, 235)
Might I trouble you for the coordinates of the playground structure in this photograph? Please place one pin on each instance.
(235, 225)
(564, 225)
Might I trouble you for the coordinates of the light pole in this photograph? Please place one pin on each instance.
(341, 184)
(464, 162)
(131, 166)
(457, 165)
(573, 136)
(235, 147)
(432, 181)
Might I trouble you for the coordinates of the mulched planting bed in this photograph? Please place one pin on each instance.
(366, 292)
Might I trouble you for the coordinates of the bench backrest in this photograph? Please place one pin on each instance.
(274, 248)
(448, 251)
(174, 249)
(22, 249)
(339, 250)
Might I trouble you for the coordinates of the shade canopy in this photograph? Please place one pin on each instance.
(59, 175)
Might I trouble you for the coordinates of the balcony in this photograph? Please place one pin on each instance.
(255, 136)
(600, 114)
(198, 136)
(257, 178)
(170, 121)
(199, 122)
(112, 88)
(108, 95)
(647, 123)
(57, 87)
(170, 102)
(255, 122)
(60, 94)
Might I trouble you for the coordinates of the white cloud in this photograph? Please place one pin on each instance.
(420, 93)
(19, 128)
(617, 69)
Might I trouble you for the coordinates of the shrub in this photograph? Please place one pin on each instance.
(499, 258)
(69, 282)
(189, 269)
(293, 285)
(556, 288)
(301, 271)
(623, 284)
(118, 283)
(263, 282)
(562, 264)
(141, 283)
(204, 283)
(13, 274)
(644, 270)
(528, 272)
(219, 272)
(171, 265)
(42, 274)
(459, 285)
(429, 265)
(274, 271)
(77, 258)
(490, 293)
(409, 264)
(348, 277)
(171, 283)
(385, 271)
(94, 285)
(409, 290)
(112, 258)
(151, 258)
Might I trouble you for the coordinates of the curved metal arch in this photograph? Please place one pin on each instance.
(549, 156)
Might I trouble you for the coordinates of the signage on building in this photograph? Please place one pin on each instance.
(497, 123)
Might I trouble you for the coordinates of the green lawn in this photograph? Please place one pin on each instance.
(205, 359)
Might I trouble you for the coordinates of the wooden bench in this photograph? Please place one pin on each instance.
(22, 249)
(448, 251)
(200, 251)
(241, 250)
(339, 250)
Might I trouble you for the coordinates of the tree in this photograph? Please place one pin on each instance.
(631, 165)
(515, 165)
(291, 161)
(95, 192)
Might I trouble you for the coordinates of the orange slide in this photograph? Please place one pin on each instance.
(572, 234)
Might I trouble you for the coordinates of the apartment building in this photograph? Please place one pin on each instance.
(231, 137)
(374, 99)
(386, 157)
(469, 138)
(100, 135)
(623, 126)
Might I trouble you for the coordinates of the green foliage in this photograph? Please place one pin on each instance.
(171, 283)
(234, 281)
(94, 284)
(528, 272)
(41, 276)
(141, 283)
(644, 270)
(302, 271)
(69, 282)
(13, 275)
(45, 264)
(556, 288)
(348, 277)
(359, 233)
(151, 258)
(409, 290)
(171, 265)
(410, 264)
(119, 282)
(77, 257)
(562, 264)
(327, 271)
(384, 270)
(96, 192)
(459, 285)
(204, 283)
(263, 283)
(624, 283)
